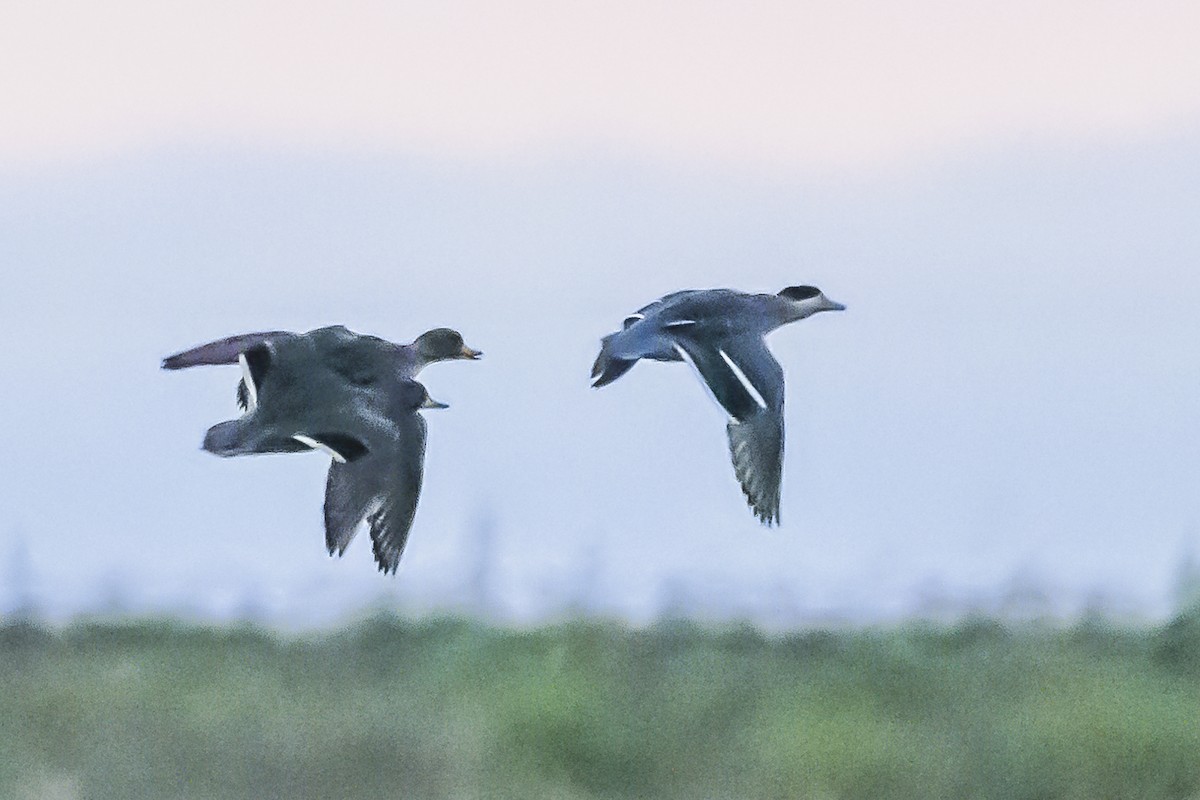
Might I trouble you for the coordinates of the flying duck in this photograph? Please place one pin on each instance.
(719, 333)
(357, 357)
(349, 396)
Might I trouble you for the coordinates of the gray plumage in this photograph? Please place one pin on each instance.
(349, 395)
(382, 486)
(358, 358)
(719, 332)
(296, 394)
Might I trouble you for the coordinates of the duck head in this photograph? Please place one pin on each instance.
(442, 344)
(808, 300)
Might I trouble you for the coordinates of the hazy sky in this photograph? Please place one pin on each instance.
(817, 85)
(1004, 195)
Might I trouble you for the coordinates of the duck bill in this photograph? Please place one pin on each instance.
(431, 403)
(470, 354)
(831, 305)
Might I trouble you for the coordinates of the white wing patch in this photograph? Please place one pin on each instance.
(680, 323)
(251, 389)
(741, 376)
(308, 441)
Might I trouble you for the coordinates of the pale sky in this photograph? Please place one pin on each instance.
(1003, 194)
(810, 85)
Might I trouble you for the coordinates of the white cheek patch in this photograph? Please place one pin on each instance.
(308, 441)
(741, 376)
(251, 389)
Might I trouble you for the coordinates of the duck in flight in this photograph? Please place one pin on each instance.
(350, 396)
(355, 356)
(720, 333)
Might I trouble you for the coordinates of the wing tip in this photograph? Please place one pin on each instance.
(387, 563)
(768, 517)
(387, 557)
(760, 487)
(765, 510)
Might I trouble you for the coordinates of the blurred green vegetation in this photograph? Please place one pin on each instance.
(454, 709)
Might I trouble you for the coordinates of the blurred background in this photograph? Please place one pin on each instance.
(1003, 425)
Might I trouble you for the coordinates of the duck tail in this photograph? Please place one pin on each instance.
(608, 367)
(228, 439)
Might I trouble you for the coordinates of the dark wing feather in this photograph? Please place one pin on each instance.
(719, 363)
(258, 361)
(391, 523)
(756, 412)
(756, 447)
(222, 351)
(349, 447)
(350, 491)
(383, 487)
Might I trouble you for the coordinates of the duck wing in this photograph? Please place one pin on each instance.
(350, 491)
(222, 351)
(382, 487)
(756, 448)
(747, 381)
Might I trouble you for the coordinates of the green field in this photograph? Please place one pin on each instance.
(454, 709)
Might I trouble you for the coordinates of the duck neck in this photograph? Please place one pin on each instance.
(781, 311)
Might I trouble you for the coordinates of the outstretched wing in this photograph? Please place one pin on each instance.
(756, 447)
(747, 381)
(740, 371)
(391, 523)
(222, 351)
(351, 491)
(382, 487)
